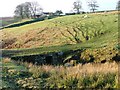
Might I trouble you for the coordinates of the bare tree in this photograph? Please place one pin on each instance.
(34, 8)
(77, 6)
(19, 11)
(28, 9)
(92, 5)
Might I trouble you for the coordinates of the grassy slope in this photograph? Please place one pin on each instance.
(38, 35)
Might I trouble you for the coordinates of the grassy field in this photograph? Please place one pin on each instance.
(46, 36)
(95, 35)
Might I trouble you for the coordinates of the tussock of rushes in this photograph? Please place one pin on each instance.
(95, 68)
(108, 67)
(91, 75)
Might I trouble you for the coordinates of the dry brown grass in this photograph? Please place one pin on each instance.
(94, 68)
(6, 60)
(108, 67)
(91, 75)
(32, 38)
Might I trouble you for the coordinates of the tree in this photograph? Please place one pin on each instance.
(92, 5)
(58, 12)
(77, 6)
(34, 8)
(118, 5)
(28, 9)
(19, 11)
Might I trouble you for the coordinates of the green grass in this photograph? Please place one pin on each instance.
(66, 20)
(10, 72)
(64, 77)
(60, 43)
(13, 65)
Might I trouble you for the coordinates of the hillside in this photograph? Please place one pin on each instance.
(95, 33)
(76, 51)
(50, 32)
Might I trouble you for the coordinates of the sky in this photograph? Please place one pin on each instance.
(7, 7)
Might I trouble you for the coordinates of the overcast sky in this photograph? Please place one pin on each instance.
(7, 7)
